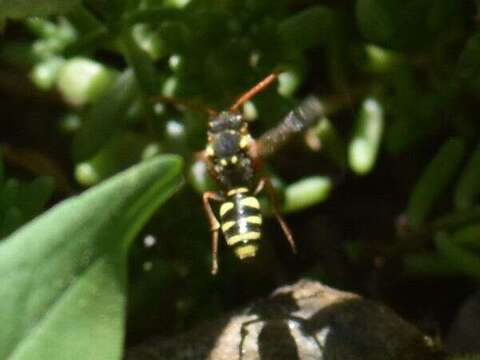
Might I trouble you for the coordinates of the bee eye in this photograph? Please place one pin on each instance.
(236, 122)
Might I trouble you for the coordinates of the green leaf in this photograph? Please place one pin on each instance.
(307, 192)
(462, 259)
(153, 15)
(429, 265)
(64, 274)
(407, 24)
(468, 236)
(81, 80)
(34, 196)
(307, 28)
(141, 64)
(2, 170)
(330, 141)
(468, 187)
(124, 150)
(464, 357)
(9, 194)
(108, 10)
(12, 220)
(45, 73)
(106, 116)
(17, 9)
(363, 148)
(434, 180)
(468, 68)
(84, 21)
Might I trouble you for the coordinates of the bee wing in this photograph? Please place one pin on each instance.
(295, 122)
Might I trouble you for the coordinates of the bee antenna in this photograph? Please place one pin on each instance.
(260, 86)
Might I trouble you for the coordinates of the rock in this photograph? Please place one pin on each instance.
(306, 320)
(463, 337)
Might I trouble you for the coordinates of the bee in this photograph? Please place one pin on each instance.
(232, 156)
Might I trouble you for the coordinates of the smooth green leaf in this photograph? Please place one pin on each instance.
(363, 148)
(468, 236)
(153, 15)
(307, 192)
(148, 40)
(2, 170)
(308, 27)
(64, 274)
(462, 259)
(122, 151)
(429, 265)
(434, 180)
(17, 9)
(467, 70)
(84, 21)
(108, 10)
(141, 64)
(12, 220)
(468, 186)
(406, 24)
(34, 196)
(9, 193)
(106, 116)
(456, 219)
(464, 357)
(380, 60)
(329, 141)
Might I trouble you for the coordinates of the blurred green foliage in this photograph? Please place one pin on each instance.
(399, 79)
(20, 202)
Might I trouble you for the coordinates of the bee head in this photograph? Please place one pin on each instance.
(226, 121)
(228, 136)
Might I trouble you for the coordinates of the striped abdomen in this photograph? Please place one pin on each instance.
(241, 222)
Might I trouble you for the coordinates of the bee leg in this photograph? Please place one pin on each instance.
(214, 225)
(201, 156)
(266, 183)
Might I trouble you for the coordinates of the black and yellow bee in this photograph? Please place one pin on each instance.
(233, 156)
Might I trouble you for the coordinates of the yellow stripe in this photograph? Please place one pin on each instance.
(254, 220)
(237, 191)
(252, 235)
(244, 141)
(246, 251)
(250, 202)
(226, 207)
(210, 151)
(228, 225)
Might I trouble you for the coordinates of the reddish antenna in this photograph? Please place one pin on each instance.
(261, 85)
(189, 104)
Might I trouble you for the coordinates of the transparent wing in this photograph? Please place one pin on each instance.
(295, 122)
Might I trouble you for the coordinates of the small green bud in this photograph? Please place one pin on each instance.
(307, 192)
(288, 82)
(380, 60)
(81, 81)
(45, 74)
(364, 146)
